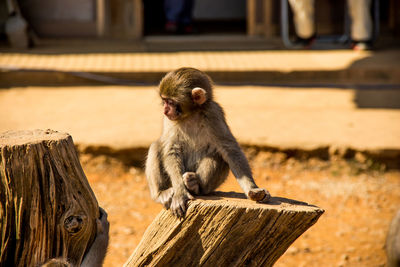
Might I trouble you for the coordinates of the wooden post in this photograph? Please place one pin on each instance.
(101, 20)
(133, 19)
(251, 17)
(268, 23)
(47, 207)
(260, 18)
(224, 229)
(137, 19)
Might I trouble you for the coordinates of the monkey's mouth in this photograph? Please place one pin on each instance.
(172, 116)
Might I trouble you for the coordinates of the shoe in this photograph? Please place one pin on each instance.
(187, 29)
(171, 27)
(361, 45)
(304, 43)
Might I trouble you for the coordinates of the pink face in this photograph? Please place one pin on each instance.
(171, 108)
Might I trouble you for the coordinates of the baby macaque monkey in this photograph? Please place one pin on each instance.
(196, 148)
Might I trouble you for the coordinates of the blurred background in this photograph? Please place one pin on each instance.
(318, 118)
(126, 20)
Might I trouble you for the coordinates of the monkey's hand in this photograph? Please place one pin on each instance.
(260, 195)
(179, 203)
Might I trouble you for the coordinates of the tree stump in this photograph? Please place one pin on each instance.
(47, 207)
(224, 229)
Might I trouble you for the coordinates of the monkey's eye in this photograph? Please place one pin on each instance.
(168, 101)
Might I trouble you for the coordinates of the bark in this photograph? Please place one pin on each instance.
(224, 229)
(47, 207)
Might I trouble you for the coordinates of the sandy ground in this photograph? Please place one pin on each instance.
(359, 198)
(283, 117)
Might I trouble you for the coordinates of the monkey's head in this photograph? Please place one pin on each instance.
(184, 91)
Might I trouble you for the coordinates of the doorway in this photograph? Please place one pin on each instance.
(210, 17)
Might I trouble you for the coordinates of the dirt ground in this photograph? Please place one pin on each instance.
(359, 197)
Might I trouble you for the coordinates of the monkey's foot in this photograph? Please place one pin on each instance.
(191, 182)
(165, 197)
(259, 194)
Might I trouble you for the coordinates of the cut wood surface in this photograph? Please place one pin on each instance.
(47, 207)
(224, 229)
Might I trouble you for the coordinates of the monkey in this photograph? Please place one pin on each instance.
(196, 148)
(98, 250)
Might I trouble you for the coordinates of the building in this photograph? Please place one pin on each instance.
(134, 19)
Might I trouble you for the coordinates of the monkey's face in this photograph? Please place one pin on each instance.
(186, 105)
(183, 92)
(172, 109)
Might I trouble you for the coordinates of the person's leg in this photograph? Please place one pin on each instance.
(173, 10)
(187, 12)
(361, 23)
(303, 11)
(185, 20)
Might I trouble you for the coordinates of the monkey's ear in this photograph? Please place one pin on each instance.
(199, 95)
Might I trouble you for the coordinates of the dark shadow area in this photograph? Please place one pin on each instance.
(150, 44)
(380, 66)
(129, 156)
(377, 98)
(137, 156)
(219, 195)
(282, 200)
(155, 19)
(274, 200)
(210, 41)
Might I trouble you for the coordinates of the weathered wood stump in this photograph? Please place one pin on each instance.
(224, 229)
(47, 207)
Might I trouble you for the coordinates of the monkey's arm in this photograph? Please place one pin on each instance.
(234, 156)
(231, 152)
(174, 167)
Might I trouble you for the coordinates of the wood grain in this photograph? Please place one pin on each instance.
(224, 229)
(47, 207)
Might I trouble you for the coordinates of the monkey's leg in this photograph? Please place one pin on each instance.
(211, 173)
(158, 181)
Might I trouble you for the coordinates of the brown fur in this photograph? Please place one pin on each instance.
(196, 148)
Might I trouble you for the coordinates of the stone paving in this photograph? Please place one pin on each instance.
(266, 66)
